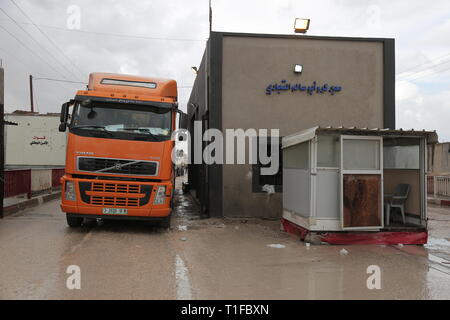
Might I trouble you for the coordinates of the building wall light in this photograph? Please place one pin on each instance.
(298, 68)
(301, 25)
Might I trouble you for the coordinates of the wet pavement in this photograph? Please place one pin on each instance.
(208, 259)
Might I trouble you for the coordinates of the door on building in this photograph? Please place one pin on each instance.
(361, 182)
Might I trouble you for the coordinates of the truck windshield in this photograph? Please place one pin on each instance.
(123, 121)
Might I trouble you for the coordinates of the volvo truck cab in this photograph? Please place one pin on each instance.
(119, 149)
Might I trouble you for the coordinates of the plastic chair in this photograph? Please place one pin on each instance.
(397, 200)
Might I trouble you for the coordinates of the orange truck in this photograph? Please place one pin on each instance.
(119, 149)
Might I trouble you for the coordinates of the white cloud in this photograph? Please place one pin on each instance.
(406, 90)
(418, 111)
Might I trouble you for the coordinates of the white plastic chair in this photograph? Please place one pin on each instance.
(397, 200)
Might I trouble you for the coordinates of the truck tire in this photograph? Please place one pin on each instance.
(73, 221)
(165, 222)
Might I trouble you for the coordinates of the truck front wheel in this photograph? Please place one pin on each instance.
(73, 221)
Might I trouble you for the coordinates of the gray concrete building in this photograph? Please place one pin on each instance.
(439, 159)
(285, 82)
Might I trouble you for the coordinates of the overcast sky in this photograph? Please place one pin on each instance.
(421, 29)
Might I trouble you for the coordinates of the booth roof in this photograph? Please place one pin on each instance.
(308, 134)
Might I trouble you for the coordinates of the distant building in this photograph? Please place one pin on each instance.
(35, 141)
(439, 159)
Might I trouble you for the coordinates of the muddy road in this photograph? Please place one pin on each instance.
(208, 259)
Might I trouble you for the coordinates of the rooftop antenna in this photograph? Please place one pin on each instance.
(210, 17)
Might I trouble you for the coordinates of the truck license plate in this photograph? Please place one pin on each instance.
(114, 211)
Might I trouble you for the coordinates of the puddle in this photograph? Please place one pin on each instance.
(434, 243)
(276, 246)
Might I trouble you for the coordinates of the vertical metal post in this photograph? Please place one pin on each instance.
(435, 186)
(210, 17)
(205, 118)
(31, 94)
(2, 142)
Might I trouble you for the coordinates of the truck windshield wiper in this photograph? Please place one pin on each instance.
(88, 126)
(146, 130)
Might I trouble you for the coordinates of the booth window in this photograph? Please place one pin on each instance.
(296, 157)
(401, 153)
(361, 154)
(259, 180)
(328, 151)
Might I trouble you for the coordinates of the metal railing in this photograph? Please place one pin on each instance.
(17, 182)
(438, 185)
(56, 176)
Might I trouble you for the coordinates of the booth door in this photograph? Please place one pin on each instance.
(361, 182)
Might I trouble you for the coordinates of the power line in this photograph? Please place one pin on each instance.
(120, 35)
(45, 35)
(29, 49)
(32, 38)
(412, 75)
(425, 63)
(60, 80)
(425, 75)
(426, 68)
(22, 65)
(20, 62)
(422, 73)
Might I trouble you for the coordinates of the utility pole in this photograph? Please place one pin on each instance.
(31, 94)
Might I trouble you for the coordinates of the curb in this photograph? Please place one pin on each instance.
(34, 202)
(439, 202)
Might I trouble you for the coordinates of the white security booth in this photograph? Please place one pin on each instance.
(344, 179)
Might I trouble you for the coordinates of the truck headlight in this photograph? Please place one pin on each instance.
(70, 191)
(160, 196)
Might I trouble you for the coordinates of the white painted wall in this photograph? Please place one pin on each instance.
(41, 179)
(36, 141)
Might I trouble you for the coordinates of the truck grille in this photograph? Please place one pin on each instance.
(118, 166)
(115, 187)
(115, 202)
(115, 194)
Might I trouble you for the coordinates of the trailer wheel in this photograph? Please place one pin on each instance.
(165, 222)
(73, 221)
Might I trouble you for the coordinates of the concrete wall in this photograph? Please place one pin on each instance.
(250, 64)
(41, 179)
(439, 159)
(197, 108)
(36, 141)
(198, 96)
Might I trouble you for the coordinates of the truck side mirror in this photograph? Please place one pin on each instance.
(183, 121)
(64, 117)
(64, 112)
(62, 127)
